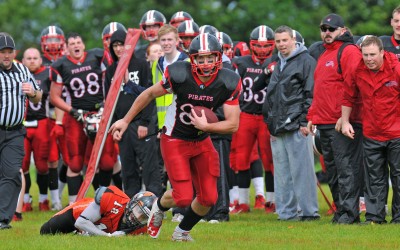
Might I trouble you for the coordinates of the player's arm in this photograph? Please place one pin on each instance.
(119, 127)
(85, 221)
(55, 97)
(228, 126)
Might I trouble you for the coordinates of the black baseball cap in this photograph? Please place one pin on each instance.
(333, 20)
(6, 41)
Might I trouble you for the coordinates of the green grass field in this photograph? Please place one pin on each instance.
(255, 230)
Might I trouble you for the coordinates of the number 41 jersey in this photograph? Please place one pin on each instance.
(189, 91)
(82, 79)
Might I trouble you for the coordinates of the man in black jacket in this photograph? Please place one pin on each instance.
(289, 95)
(135, 147)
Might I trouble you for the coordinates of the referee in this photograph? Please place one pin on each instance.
(16, 83)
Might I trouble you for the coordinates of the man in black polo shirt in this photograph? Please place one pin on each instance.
(16, 83)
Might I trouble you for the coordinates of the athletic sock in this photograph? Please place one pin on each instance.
(244, 196)
(28, 182)
(189, 220)
(161, 207)
(43, 183)
(258, 183)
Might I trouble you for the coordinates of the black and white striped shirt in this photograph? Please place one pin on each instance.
(12, 100)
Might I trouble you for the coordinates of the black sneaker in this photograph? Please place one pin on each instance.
(309, 218)
(372, 222)
(4, 226)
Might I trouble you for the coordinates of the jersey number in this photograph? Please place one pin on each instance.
(184, 116)
(116, 210)
(78, 86)
(35, 107)
(249, 95)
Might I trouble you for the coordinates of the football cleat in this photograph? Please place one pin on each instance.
(27, 207)
(44, 206)
(270, 207)
(241, 208)
(178, 236)
(233, 205)
(260, 202)
(17, 217)
(155, 221)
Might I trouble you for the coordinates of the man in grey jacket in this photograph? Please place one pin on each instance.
(289, 95)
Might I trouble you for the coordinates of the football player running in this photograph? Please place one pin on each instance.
(189, 155)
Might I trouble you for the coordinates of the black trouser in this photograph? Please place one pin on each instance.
(349, 160)
(61, 223)
(11, 156)
(220, 211)
(377, 156)
(343, 162)
(134, 151)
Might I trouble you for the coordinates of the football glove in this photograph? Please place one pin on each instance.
(58, 130)
(116, 234)
(77, 114)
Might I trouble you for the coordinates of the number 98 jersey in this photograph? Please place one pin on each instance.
(82, 79)
(189, 91)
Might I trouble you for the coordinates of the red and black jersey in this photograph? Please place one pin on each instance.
(83, 80)
(189, 91)
(392, 45)
(251, 101)
(46, 60)
(39, 110)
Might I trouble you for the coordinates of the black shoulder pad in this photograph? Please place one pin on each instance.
(229, 77)
(97, 52)
(98, 194)
(386, 40)
(178, 71)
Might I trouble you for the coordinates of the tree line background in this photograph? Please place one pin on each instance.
(25, 19)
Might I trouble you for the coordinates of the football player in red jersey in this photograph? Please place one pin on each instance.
(179, 17)
(189, 155)
(52, 42)
(81, 74)
(150, 24)
(252, 129)
(37, 138)
(110, 213)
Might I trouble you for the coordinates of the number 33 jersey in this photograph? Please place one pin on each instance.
(83, 79)
(223, 88)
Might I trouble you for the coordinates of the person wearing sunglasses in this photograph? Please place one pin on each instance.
(342, 156)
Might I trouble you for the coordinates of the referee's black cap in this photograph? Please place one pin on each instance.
(6, 41)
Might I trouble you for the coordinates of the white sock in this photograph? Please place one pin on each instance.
(72, 198)
(362, 200)
(42, 197)
(27, 198)
(61, 186)
(233, 194)
(55, 197)
(258, 183)
(244, 196)
(270, 197)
